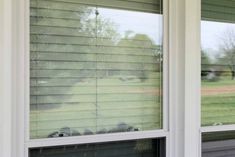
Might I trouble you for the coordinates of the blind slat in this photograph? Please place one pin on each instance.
(81, 49)
(100, 59)
(217, 10)
(129, 5)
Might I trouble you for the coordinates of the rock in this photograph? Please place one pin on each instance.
(64, 132)
(54, 134)
(88, 132)
(103, 131)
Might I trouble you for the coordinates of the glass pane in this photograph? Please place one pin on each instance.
(218, 144)
(139, 148)
(218, 62)
(94, 70)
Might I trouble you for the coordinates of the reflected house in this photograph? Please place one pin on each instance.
(211, 75)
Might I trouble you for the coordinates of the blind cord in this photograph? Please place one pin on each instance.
(96, 82)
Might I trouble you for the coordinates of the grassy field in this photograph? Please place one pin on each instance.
(94, 104)
(218, 102)
(132, 102)
(104, 103)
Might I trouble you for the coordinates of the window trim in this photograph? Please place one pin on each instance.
(192, 78)
(184, 48)
(6, 88)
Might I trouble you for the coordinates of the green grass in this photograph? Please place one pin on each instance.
(118, 101)
(134, 102)
(219, 108)
(223, 82)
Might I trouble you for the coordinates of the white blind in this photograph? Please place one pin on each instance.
(87, 75)
(138, 5)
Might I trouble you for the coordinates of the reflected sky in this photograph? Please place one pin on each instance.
(212, 34)
(138, 22)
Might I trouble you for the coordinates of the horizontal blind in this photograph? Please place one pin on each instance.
(217, 59)
(218, 10)
(86, 77)
(154, 6)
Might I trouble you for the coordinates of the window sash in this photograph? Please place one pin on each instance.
(30, 143)
(23, 141)
(34, 68)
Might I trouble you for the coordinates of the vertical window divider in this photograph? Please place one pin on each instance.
(184, 79)
(192, 78)
(165, 57)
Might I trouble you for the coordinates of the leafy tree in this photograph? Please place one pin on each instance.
(144, 46)
(228, 51)
(205, 63)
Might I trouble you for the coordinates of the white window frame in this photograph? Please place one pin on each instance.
(181, 127)
(24, 84)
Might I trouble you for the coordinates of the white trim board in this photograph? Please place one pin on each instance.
(6, 50)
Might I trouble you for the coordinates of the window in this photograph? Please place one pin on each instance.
(218, 62)
(96, 68)
(145, 148)
(218, 78)
(78, 76)
(93, 70)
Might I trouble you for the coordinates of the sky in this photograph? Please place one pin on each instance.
(138, 22)
(212, 34)
(151, 25)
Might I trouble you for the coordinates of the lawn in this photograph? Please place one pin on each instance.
(101, 104)
(94, 105)
(218, 102)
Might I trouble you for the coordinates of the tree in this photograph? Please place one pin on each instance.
(205, 64)
(145, 51)
(228, 51)
(77, 37)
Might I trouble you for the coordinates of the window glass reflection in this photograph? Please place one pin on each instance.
(218, 72)
(218, 144)
(138, 148)
(94, 70)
